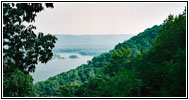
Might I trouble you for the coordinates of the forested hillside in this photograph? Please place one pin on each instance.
(157, 72)
(75, 78)
(133, 68)
(151, 64)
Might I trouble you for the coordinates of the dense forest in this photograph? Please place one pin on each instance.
(151, 64)
(87, 71)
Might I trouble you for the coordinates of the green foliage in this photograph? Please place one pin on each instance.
(134, 68)
(78, 75)
(121, 85)
(164, 73)
(142, 41)
(22, 48)
(119, 61)
(68, 90)
(160, 71)
(16, 84)
(99, 61)
(110, 63)
(94, 87)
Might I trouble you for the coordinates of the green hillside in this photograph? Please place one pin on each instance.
(157, 72)
(147, 65)
(84, 72)
(151, 64)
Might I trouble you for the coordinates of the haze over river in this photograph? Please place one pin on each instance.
(85, 47)
(57, 66)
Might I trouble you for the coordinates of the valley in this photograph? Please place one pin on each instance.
(72, 51)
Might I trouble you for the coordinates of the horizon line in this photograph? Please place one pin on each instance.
(92, 34)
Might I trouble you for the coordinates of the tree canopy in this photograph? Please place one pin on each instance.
(22, 48)
(151, 64)
(107, 64)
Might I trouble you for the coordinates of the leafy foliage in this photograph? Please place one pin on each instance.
(52, 85)
(119, 61)
(147, 65)
(22, 48)
(159, 71)
(110, 63)
(123, 84)
(142, 41)
(17, 83)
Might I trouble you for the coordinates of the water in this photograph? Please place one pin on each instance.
(57, 66)
(90, 44)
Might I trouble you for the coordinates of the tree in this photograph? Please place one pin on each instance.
(158, 72)
(163, 68)
(22, 48)
(17, 84)
(119, 60)
(88, 74)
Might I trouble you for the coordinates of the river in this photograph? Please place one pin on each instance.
(57, 66)
(92, 44)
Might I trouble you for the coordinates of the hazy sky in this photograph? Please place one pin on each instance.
(104, 18)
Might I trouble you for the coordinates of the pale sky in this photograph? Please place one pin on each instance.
(104, 18)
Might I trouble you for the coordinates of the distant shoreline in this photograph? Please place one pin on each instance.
(95, 34)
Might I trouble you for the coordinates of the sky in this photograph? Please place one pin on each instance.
(104, 18)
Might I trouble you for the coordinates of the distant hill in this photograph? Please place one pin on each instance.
(88, 44)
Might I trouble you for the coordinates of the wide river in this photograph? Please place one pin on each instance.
(57, 66)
